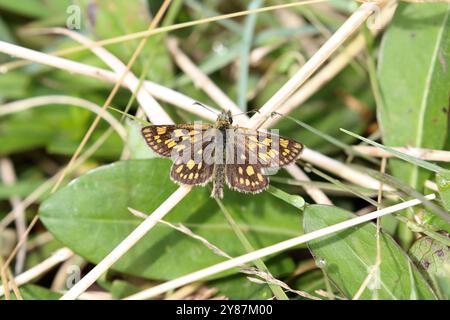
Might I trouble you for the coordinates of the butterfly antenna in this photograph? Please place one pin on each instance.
(207, 108)
(251, 111)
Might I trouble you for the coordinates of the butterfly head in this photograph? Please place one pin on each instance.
(224, 119)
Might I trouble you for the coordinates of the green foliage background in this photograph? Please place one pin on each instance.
(401, 85)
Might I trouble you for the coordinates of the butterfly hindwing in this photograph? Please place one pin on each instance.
(246, 177)
(191, 172)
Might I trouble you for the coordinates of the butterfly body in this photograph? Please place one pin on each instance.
(221, 153)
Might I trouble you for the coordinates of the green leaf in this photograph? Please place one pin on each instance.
(292, 199)
(433, 258)
(34, 292)
(121, 289)
(90, 216)
(35, 8)
(414, 82)
(443, 183)
(350, 254)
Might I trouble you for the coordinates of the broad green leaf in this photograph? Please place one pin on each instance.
(121, 289)
(90, 216)
(414, 82)
(35, 8)
(433, 258)
(35, 292)
(349, 255)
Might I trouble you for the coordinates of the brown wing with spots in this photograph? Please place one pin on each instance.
(191, 173)
(266, 149)
(164, 139)
(246, 177)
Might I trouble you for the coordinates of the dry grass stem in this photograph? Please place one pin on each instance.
(9, 178)
(41, 268)
(11, 65)
(151, 107)
(264, 252)
(126, 244)
(25, 104)
(420, 153)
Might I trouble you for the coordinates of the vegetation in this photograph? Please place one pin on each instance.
(84, 200)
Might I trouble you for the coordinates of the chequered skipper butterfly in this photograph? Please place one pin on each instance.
(221, 153)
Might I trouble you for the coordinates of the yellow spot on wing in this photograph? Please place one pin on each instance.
(161, 130)
(240, 170)
(250, 171)
(241, 180)
(247, 182)
(284, 143)
(178, 170)
(171, 144)
(272, 153)
(260, 177)
(190, 164)
(191, 175)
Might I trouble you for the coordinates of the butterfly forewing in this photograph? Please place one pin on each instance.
(185, 143)
(173, 140)
(269, 150)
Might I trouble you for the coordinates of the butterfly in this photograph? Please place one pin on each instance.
(221, 153)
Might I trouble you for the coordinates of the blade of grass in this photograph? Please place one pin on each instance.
(277, 291)
(419, 162)
(247, 40)
(348, 149)
(292, 199)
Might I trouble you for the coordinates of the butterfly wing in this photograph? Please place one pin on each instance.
(266, 149)
(246, 177)
(185, 144)
(173, 140)
(192, 173)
